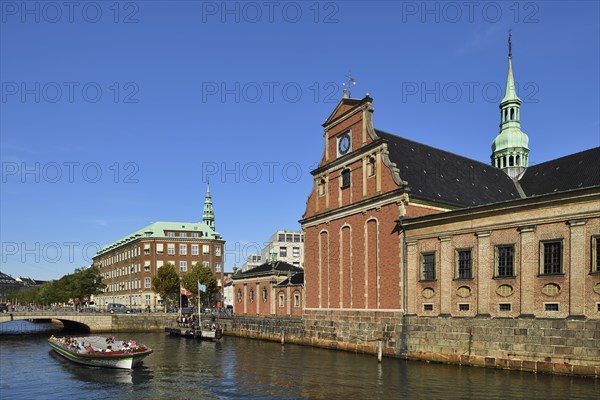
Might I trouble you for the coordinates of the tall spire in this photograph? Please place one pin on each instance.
(208, 216)
(510, 150)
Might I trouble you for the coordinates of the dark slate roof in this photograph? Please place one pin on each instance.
(443, 177)
(7, 279)
(297, 279)
(575, 171)
(268, 268)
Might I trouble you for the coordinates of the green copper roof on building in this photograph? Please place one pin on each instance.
(510, 149)
(208, 215)
(511, 93)
(159, 229)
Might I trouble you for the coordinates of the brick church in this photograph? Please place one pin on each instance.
(395, 227)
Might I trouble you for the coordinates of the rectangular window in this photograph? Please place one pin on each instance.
(296, 300)
(183, 249)
(160, 263)
(218, 251)
(505, 262)
(170, 234)
(296, 238)
(427, 307)
(463, 307)
(283, 252)
(428, 267)
(289, 237)
(147, 249)
(147, 283)
(171, 249)
(182, 234)
(551, 306)
(281, 300)
(205, 263)
(218, 268)
(552, 258)
(147, 299)
(296, 251)
(195, 249)
(504, 307)
(194, 234)
(147, 266)
(183, 266)
(596, 254)
(160, 248)
(205, 249)
(281, 237)
(465, 264)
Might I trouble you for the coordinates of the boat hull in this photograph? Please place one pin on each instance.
(118, 360)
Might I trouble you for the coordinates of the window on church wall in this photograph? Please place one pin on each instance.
(371, 166)
(239, 295)
(322, 187)
(265, 295)
(428, 267)
(551, 257)
(505, 261)
(464, 263)
(296, 299)
(251, 296)
(345, 178)
(281, 300)
(596, 254)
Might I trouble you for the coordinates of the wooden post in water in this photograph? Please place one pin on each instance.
(379, 350)
(282, 337)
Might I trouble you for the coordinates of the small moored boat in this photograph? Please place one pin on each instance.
(99, 351)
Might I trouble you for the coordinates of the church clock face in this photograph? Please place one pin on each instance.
(344, 144)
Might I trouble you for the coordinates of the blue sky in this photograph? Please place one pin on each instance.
(113, 115)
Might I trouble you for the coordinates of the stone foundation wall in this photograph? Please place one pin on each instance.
(536, 345)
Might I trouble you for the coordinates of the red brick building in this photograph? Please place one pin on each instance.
(273, 288)
(393, 225)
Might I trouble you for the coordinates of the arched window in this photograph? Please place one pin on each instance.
(518, 161)
(512, 114)
(322, 186)
(510, 161)
(345, 178)
(371, 168)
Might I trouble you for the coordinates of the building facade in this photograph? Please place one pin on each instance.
(273, 288)
(287, 246)
(129, 264)
(398, 226)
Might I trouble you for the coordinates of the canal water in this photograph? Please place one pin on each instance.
(249, 369)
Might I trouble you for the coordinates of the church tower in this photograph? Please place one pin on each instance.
(510, 151)
(208, 216)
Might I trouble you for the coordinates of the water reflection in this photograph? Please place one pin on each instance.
(248, 369)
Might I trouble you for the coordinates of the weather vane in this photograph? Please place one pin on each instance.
(347, 85)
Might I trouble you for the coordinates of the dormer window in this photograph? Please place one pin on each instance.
(345, 178)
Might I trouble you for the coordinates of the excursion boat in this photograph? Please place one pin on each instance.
(99, 351)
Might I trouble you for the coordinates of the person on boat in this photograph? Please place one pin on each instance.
(108, 349)
(89, 349)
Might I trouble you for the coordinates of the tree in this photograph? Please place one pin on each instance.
(166, 284)
(203, 274)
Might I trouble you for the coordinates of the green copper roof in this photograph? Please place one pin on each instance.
(208, 215)
(159, 229)
(511, 93)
